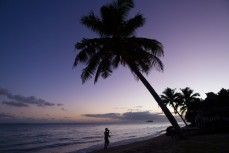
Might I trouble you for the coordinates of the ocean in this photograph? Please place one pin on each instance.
(72, 137)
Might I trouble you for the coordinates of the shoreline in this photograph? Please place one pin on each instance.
(130, 146)
(208, 143)
(112, 145)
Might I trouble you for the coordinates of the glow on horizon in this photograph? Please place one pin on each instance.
(37, 52)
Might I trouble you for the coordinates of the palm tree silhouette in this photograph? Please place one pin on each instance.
(188, 97)
(172, 98)
(117, 45)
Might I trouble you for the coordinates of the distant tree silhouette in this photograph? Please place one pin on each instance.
(193, 110)
(118, 45)
(211, 114)
(188, 97)
(223, 96)
(172, 98)
(213, 111)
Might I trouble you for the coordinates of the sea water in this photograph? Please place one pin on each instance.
(72, 138)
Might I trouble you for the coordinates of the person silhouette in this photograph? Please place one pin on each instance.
(106, 138)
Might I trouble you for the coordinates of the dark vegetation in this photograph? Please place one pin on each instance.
(210, 114)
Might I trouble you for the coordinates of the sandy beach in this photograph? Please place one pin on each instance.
(211, 143)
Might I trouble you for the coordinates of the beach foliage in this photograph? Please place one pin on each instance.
(187, 97)
(211, 113)
(171, 97)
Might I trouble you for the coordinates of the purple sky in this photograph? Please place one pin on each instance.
(38, 84)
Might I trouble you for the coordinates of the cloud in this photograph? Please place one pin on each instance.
(4, 92)
(131, 116)
(22, 101)
(63, 109)
(5, 116)
(108, 115)
(139, 115)
(16, 104)
(135, 108)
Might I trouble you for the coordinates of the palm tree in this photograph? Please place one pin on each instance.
(172, 98)
(117, 45)
(188, 97)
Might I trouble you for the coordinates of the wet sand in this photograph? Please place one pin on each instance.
(211, 143)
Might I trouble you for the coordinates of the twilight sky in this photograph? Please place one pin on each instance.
(38, 83)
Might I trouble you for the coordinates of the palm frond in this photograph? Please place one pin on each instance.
(132, 24)
(124, 7)
(151, 45)
(110, 20)
(195, 95)
(93, 22)
(115, 61)
(92, 65)
(142, 56)
(81, 57)
(88, 48)
(183, 109)
(104, 69)
(157, 63)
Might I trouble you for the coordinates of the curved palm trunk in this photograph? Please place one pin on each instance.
(180, 115)
(166, 111)
(182, 119)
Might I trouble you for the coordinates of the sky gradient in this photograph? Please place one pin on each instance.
(38, 83)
